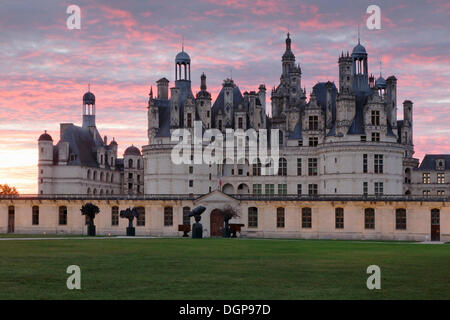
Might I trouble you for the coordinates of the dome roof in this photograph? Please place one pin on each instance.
(113, 143)
(359, 51)
(88, 98)
(132, 151)
(45, 137)
(182, 57)
(380, 83)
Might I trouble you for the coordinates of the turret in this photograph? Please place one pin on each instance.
(45, 143)
(163, 88)
(88, 109)
(391, 100)
(345, 73)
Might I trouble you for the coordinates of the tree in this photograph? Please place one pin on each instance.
(90, 210)
(130, 214)
(7, 190)
(228, 212)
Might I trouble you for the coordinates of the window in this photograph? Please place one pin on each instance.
(240, 123)
(282, 189)
(270, 189)
(426, 193)
(130, 163)
(189, 120)
(339, 218)
(378, 163)
(312, 166)
(207, 114)
(88, 174)
(363, 138)
(365, 162)
(299, 189)
(191, 183)
(375, 118)
(313, 141)
(369, 218)
(140, 222)
(191, 169)
(426, 178)
(257, 168)
(252, 217)
(186, 218)
(376, 136)
(299, 167)
(62, 216)
(365, 188)
(282, 167)
(312, 189)
(138, 166)
(35, 215)
(115, 216)
(280, 217)
(257, 189)
(400, 219)
(168, 216)
(313, 123)
(300, 143)
(306, 218)
(440, 178)
(220, 125)
(441, 193)
(280, 137)
(130, 176)
(379, 188)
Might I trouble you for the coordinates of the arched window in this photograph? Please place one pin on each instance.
(89, 174)
(257, 168)
(88, 190)
(282, 167)
(130, 163)
(369, 218)
(107, 177)
(168, 216)
(400, 219)
(102, 175)
(306, 218)
(62, 216)
(115, 216)
(95, 191)
(252, 217)
(339, 218)
(186, 218)
(138, 164)
(35, 215)
(101, 191)
(280, 217)
(95, 175)
(141, 217)
(112, 177)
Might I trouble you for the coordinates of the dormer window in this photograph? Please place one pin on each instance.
(72, 157)
(440, 164)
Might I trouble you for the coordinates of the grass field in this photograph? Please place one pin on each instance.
(222, 269)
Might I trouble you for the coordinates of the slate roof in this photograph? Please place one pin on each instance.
(220, 102)
(429, 161)
(164, 118)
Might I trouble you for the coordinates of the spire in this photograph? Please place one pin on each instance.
(151, 92)
(288, 42)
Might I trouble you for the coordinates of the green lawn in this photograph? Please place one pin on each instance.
(222, 269)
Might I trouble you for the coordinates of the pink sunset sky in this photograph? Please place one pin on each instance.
(123, 47)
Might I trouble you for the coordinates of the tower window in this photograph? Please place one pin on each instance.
(375, 136)
(375, 118)
(313, 123)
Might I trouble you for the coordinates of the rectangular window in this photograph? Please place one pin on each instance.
(191, 169)
(257, 189)
(220, 125)
(282, 189)
(191, 183)
(426, 178)
(426, 193)
(35, 216)
(365, 163)
(186, 218)
(378, 163)
(300, 143)
(376, 136)
(306, 218)
(299, 189)
(339, 218)
(379, 188)
(130, 176)
(270, 189)
(313, 123)
(62, 216)
(312, 166)
(365, 188)
(282, 167)
(369, 218)
(313, 141)
(299, 166)
(400, 219)
(441, 193)
(115, 216)
(240, 123)
(375, 118)
(140, 222)
(312, 189)
(440, 178)
(363, 138)
(252, 217)
(280, 217)
(189, 120)
(257, 169)
(168, 216)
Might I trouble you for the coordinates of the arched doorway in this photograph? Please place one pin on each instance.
(216, 221)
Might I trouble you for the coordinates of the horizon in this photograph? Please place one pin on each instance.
(122, 50)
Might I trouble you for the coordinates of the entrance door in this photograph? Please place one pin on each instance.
(435, 225)
(11, 219)
(217, 223)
